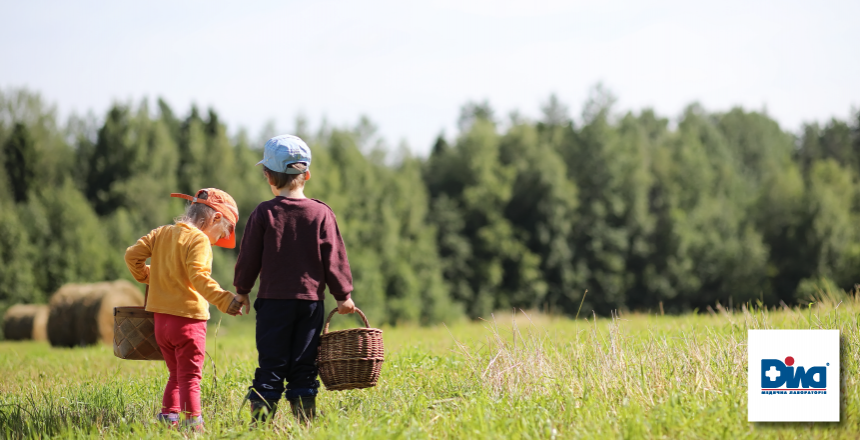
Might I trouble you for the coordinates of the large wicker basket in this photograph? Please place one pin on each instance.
(350, 359)
(134, 333)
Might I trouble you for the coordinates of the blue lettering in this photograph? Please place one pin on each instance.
(774, 373)
(793, 380)
(809, 378)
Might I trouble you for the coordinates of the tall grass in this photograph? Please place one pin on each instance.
(516, 375)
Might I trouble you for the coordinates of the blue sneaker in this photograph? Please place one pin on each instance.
(193, 423)
(171, 419)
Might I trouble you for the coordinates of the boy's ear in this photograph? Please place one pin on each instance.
(307, 175)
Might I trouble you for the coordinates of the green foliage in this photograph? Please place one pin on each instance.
(709, 250)
(820, 289)
(640, 211)
(722, 208)
(382, 212)
(20, 162)
(472, 188)
(17, 255)
(79, 220)
(542, 210)
(72, 246)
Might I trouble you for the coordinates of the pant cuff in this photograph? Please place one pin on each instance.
(301, 392)
(258, 395)
(170, 418)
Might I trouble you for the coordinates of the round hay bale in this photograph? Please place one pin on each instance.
(25, 321)
(82, 314)
(40, 323)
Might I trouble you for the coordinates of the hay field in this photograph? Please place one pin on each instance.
(630, 376)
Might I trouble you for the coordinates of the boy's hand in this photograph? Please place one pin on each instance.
(239, 302)
(345, 307)
(246, 303)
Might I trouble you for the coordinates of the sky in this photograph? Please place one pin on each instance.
(410, 66)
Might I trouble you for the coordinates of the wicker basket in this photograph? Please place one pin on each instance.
(134, 333)
(350, 359)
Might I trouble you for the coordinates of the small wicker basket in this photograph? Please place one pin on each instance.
(134, 333)
(350, 359)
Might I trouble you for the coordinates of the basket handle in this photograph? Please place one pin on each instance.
(363, 318)
(145, 297)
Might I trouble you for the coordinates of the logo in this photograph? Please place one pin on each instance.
(793, 375)
(782, 377)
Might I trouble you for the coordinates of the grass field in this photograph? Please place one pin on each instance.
(522, 376)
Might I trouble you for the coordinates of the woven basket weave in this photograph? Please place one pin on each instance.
(350, 359)
(134, 333)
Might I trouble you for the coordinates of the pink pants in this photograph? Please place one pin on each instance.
(183, 344)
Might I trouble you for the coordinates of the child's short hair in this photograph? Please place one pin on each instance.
(201, 216)
(280, 180)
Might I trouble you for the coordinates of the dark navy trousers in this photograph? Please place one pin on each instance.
(288, 336)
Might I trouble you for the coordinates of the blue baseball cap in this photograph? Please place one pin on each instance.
(284, 150)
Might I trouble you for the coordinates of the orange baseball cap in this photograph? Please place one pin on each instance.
(221, 202)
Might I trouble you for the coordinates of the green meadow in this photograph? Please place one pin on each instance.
(516, 375)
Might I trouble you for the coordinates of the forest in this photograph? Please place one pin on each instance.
(641, 210)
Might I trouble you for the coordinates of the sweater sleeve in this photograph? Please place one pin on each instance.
(198, 263)
(338, 276)
(137, 254)
(250, 260)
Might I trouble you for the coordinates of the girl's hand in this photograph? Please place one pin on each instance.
(345, 307)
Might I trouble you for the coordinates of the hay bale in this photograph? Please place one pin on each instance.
(25, 321)
(40, 323)
(82, 314)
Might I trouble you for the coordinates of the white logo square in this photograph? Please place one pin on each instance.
(793, 376)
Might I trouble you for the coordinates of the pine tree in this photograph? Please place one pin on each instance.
(111, 161)
(71, 243)
(20, 160)
(17, 256)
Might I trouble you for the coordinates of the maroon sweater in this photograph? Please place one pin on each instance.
(295, 247)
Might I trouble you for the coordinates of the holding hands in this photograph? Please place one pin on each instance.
(239, 303)
(242, 303)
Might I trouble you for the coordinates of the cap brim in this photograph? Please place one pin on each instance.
(227, 243)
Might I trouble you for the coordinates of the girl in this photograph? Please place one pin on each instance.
(180, 288)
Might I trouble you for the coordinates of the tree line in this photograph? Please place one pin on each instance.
(639, 210)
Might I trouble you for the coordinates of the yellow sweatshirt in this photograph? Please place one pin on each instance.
(179, 278)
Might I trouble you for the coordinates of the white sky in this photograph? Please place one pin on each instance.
(409, 66)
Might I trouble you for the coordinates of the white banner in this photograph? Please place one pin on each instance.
(793, 376)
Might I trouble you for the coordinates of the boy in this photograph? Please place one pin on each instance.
(294, 245)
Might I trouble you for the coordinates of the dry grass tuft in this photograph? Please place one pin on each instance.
(604, 359)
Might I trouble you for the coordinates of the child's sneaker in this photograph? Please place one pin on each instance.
(171, 419)
(194, 424)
